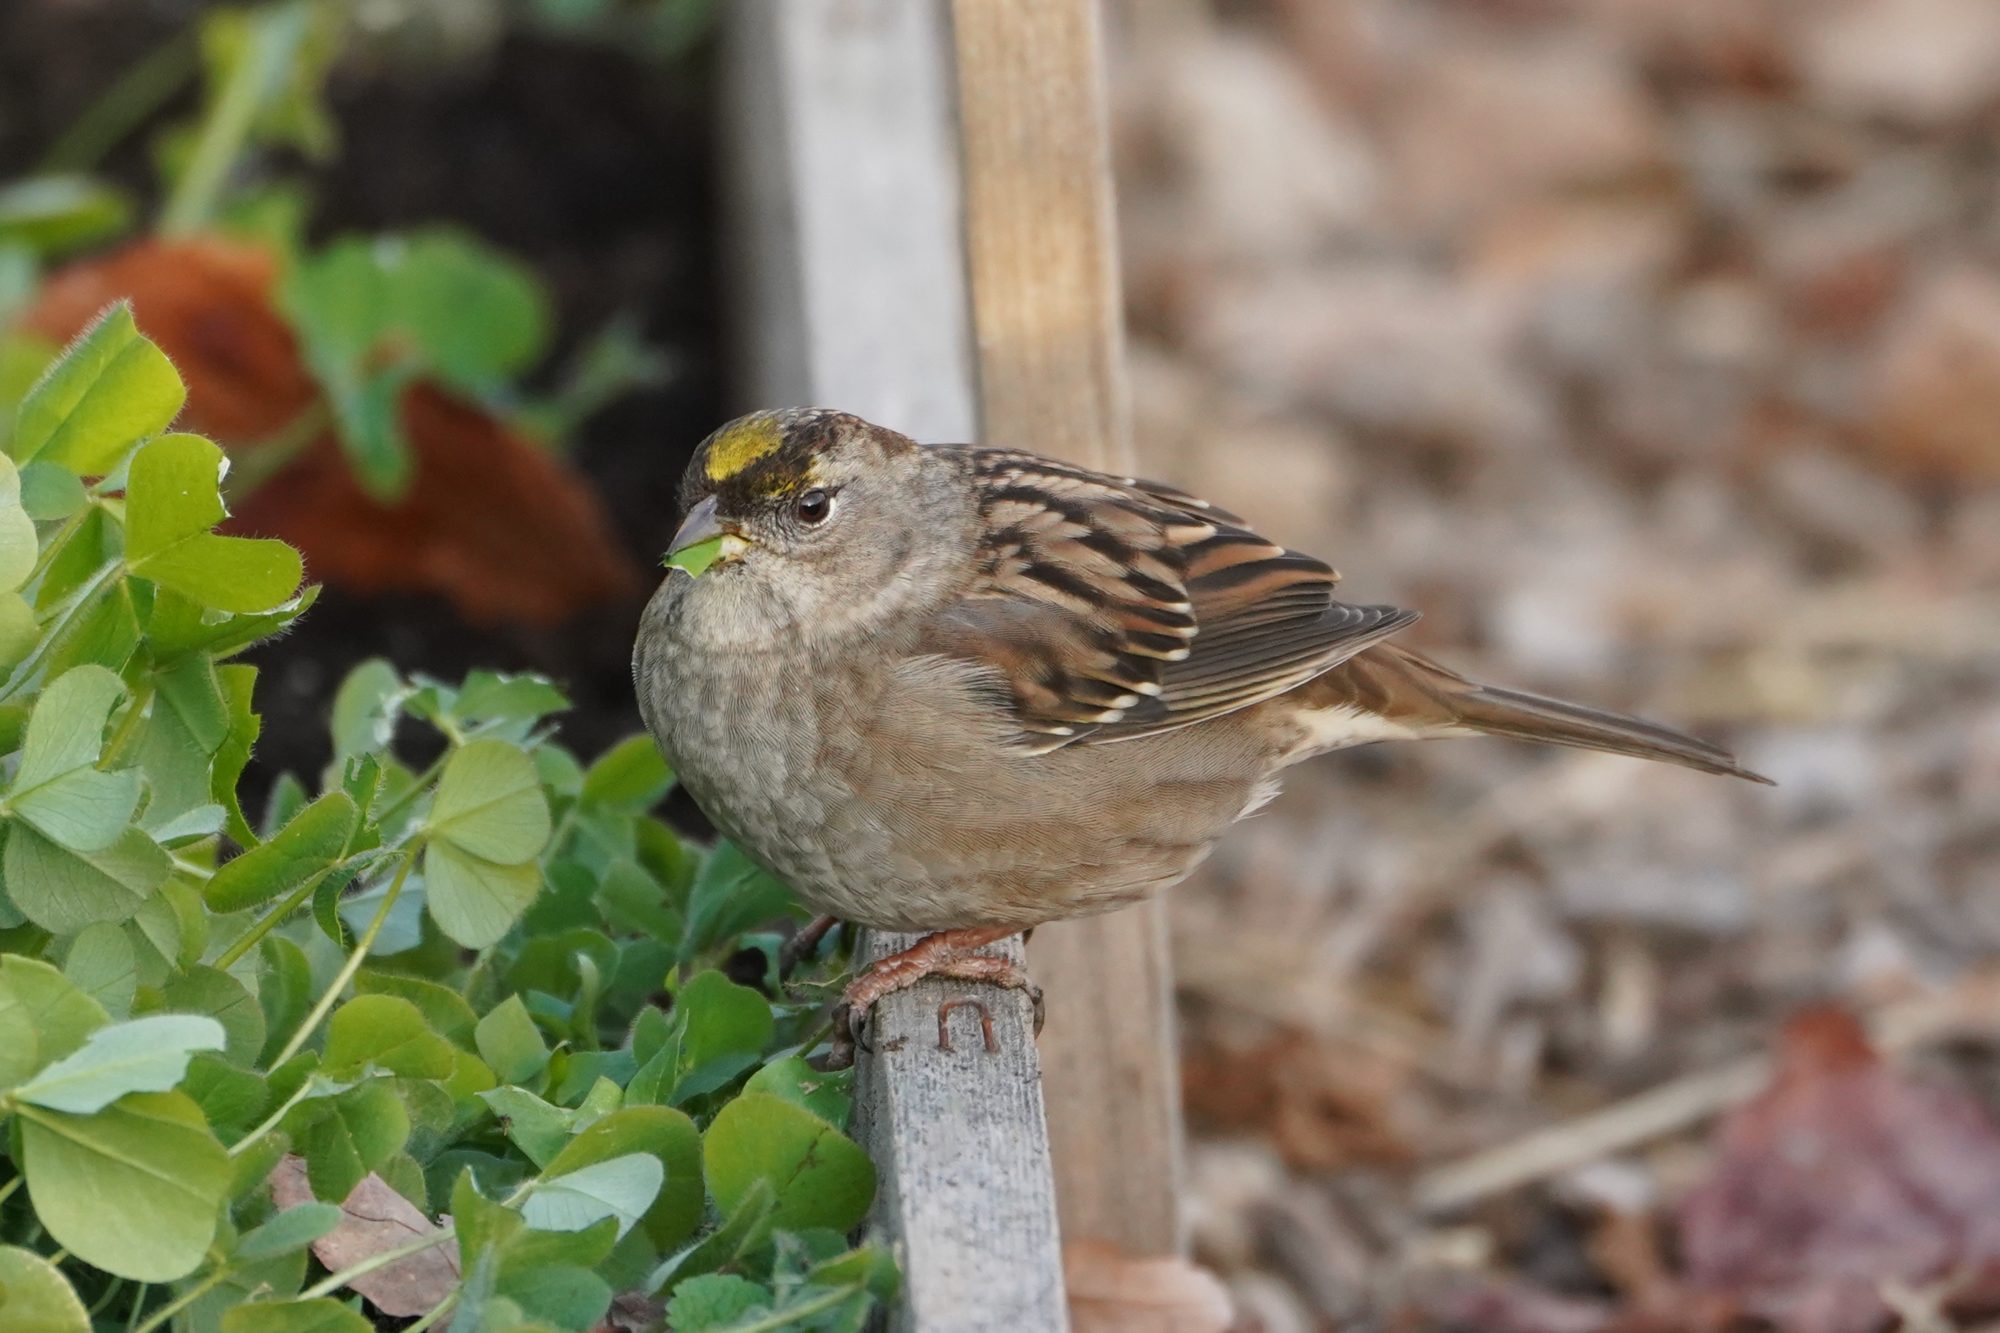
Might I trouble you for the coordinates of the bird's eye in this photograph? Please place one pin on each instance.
(815, 505)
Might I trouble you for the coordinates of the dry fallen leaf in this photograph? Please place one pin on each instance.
(1325, 1106)
(505, 530)
(375, 1218)
(1113, 1292)
(1841, 1178)
(632, 1312)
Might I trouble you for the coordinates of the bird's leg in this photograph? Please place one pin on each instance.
(803, 944)
(948, 953)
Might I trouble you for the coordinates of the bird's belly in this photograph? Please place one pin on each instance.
(885, 807)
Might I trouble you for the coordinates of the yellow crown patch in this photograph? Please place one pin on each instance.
(742, 444)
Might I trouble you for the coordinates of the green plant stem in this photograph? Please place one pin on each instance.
(351, 966)
(435, 1313)
(53, 635)
(423, 780)
(55, 545)
(268, 922)
(138, 1305)
(780, 1320)
(7, 1190)
(274, 36)
(382, 1259)
(199, 873)
(128, 726)
(271, 1121)
(139, 92)
(418, 786)
(110, 1294)
(184, 1300)
(253, 465)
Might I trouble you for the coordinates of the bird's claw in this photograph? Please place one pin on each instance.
(803, 944)
(850, 1034)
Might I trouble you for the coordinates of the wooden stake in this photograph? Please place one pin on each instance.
(844, 200)
(1047, 319)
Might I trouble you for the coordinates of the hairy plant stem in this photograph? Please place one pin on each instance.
(435, 1313)
(252, 465)
(271, 1121)
(184, 1300)
(79, 603)
(274, 38)
(268, 922)
(351, 966)
(128, 726)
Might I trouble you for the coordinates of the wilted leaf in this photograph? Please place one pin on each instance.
(375, 1218)
(1842, 1176)
(493, 522)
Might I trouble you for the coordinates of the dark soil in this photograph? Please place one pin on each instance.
(593, 167)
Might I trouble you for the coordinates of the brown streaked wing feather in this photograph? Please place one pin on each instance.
(1114, 608)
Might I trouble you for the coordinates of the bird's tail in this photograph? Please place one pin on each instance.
(1414, 693)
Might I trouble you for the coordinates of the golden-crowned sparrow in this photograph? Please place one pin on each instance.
(957, 690)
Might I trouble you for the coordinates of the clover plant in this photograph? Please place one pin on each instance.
(461, 974)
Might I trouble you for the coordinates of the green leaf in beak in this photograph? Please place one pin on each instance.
(697, 558)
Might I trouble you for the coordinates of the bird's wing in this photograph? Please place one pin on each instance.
(1110, 608)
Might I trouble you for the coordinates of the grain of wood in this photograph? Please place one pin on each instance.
(1047, 319)
(959, 1139)
(846, 204)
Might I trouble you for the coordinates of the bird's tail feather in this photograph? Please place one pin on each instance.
(1411, 690)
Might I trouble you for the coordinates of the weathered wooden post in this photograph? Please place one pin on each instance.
(1049, 329)
(920, 197)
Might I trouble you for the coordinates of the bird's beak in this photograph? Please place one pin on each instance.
(704, 540)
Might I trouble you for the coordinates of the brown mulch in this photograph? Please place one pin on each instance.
(1652, 349)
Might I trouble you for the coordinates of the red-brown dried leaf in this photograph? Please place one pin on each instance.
(375, 1219)
(503, 529)
(1842, 1176)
